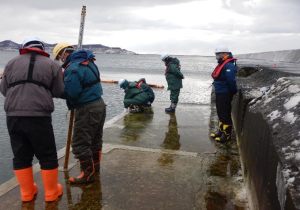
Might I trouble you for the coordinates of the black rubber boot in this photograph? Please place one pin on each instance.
(87, 172)
(218, 133)
(171, 109)
(96, 160)
(226, 134)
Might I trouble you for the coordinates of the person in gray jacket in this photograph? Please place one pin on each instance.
(29, 83)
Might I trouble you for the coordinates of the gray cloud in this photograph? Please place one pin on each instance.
(98, 4)
(270, 16)
(275, 24)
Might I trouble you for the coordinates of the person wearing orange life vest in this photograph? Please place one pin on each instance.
(29, 83)
(225, 88)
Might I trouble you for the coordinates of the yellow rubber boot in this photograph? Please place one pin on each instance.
(53, 190)
(226, 134)
(219, 131)
(28, 188)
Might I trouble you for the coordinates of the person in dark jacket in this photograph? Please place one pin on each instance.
(225, 88)
(29, 83)
(174, 79)
(83, 92)
(138, 95)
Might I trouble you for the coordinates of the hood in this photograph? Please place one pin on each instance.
(175, 61)
(81, 56)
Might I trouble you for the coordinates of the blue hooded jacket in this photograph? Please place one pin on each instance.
(82, 79)
(226, 82)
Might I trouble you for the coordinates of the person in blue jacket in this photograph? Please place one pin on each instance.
(225, 88)
(83, 92)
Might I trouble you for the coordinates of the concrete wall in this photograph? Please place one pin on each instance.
(266, 115)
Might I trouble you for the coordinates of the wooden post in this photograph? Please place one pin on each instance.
(71, 121)
(69, 139)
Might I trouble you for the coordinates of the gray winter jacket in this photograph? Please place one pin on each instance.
(29, 99)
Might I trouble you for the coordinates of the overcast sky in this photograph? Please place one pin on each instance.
(159, 26)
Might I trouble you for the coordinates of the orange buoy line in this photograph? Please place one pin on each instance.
(116, 82)
(108, 81)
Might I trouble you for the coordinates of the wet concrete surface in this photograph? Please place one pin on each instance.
(148, 175)
(187, 130)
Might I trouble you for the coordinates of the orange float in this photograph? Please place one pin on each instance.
(116, 82)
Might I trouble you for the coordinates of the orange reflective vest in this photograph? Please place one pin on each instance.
(216, 73)
(31, 50)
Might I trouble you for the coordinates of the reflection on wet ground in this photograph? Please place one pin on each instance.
(84, 196)
(188, 128)
(172, 138)
(135, 124)
(216, 201)
(226, 189)
(168, 163)
(225, 165)
(171, 141)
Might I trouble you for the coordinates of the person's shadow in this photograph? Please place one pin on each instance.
(171, 141)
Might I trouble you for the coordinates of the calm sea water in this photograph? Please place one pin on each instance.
(196, 90)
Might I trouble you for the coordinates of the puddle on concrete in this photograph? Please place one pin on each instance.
(148, 180)
(172, 138)
(166, 159)
(84, 196)
(226, 190)
(217, 201)
(225, 165)
(134, 126)
(226, 186)
(187, 130)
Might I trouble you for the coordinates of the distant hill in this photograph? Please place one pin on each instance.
(8, 45)
(96, 48)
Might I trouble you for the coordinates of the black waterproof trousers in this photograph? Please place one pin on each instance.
(31, 136)
(88, 129)
(223, 105)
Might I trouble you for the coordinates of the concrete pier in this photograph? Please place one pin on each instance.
(152, 160)
(266, 120)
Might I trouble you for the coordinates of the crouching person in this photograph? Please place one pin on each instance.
(138, 95)
(29, 82)
(83, 92)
